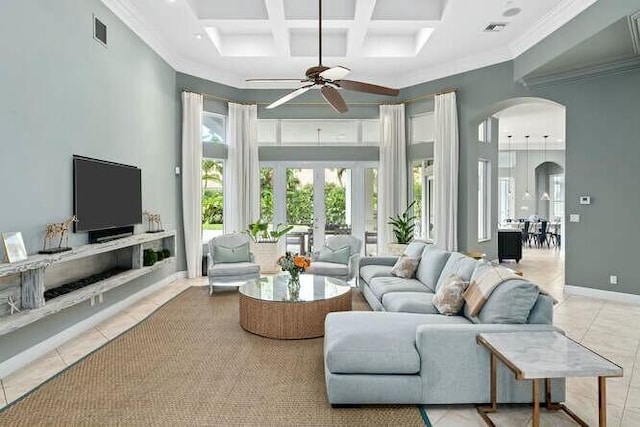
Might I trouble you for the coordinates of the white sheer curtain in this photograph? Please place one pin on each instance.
(242, 172)
(392, 172)
(192, 181)
(446, 171)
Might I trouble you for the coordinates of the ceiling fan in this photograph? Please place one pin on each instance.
(328, 79)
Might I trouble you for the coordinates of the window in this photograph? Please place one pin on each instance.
(212, 198)
(422, 191)
(266, 194)
(422, 128)
(213, 128)
(484, 131)
(484, 200)
(294, 132)
(557, 197)
(505, 203)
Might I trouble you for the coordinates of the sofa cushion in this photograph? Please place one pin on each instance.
(509, 303)
(409, 302)
(542, 311)
(414, 249)
(372, 342)
(234, 269)
(381, 285)
(322, 268)
(458, 264)
(448, 300)
(368, 272)
(405, 267)
(431, 264)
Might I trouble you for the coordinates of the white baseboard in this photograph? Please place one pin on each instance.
(601, 294)
(29, 355)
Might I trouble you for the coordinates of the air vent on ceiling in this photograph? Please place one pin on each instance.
(99, 31)
(494, 27)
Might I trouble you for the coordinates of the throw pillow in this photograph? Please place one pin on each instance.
(224, 255)
(448, 300)
(336, 256)
(405, 267)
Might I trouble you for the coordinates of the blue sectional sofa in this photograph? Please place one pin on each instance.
(405, 352)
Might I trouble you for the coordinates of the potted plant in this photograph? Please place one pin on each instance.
(403, 226)
(266, 245)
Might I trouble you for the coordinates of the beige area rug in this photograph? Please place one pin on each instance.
(190, 363)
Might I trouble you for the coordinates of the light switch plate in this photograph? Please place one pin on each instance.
(574, 218)
(177, 170)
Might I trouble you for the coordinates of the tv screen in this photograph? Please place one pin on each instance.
(106, 195)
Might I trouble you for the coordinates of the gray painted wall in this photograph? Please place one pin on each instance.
(64, 94)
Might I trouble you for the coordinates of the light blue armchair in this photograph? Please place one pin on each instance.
(344, 271)
(233, 264)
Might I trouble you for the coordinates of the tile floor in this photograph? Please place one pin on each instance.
(606, 327)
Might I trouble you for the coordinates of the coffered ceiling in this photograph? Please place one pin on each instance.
(390, 42)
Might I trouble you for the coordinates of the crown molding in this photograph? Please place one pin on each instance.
(126, 11)
(619, 66)
(634, 27)
(554, 19)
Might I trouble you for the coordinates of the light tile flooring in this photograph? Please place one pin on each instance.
(606, 327)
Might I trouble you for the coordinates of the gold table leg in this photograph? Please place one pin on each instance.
(484, 410)
(602, 401)
(536, 403)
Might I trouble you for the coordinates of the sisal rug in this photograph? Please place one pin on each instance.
(190, 363)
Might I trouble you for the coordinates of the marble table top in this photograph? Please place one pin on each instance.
(547, 354)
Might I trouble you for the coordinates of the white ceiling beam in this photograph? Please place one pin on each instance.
(357, 33)
(275, 9)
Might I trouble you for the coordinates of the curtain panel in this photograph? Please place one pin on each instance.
(242, 171)
(446, 153)
(192, 181)
(392, 171)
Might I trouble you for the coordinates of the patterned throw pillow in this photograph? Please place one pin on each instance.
(405, 267)
(449, 298)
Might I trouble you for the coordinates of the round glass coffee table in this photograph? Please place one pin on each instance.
(270, 308)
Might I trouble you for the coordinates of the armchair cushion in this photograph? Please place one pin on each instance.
(331, 269)
(337, 256)
(225, 254)
(234, 269)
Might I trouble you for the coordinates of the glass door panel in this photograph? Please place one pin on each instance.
(370, 211)
(299, 208)
(337, 201)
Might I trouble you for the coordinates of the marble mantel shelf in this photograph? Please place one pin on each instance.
(42, 261)
(24, 318)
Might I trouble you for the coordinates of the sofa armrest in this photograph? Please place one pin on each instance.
(378, 260)
(454, 364)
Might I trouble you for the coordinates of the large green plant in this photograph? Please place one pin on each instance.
(260, 233)
(403, 225)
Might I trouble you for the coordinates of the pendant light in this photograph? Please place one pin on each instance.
(545, 195)
(527, 195)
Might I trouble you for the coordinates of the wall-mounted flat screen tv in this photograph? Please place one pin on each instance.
(105, 194)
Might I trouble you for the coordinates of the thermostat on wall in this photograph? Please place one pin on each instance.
(585, 200)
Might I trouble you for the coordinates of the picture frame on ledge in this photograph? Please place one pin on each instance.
(14, 249)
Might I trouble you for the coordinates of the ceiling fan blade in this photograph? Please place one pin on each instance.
(288, 97)
(367, 88)
(335, 73)
(333, 97)
(274, 80)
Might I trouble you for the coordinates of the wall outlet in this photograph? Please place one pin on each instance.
(100, 298)
(92, 301)
(177, 170)
(574, 218)
(613, 280)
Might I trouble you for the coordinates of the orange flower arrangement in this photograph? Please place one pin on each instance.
(294, 264)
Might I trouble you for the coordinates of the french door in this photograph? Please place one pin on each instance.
(318, 199)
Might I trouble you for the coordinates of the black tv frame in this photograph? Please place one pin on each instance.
(104, 234)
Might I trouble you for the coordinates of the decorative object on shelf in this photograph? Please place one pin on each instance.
(14, 249)
(149, 257)
(294, 265)
(267, 244)
(13, 305)
(527, 195)
(160, 255)
(154, 221)
(54, 229)
(166, 252)
(545, 194)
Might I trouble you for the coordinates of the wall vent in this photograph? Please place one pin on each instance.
(494, 27)
(99, 31)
